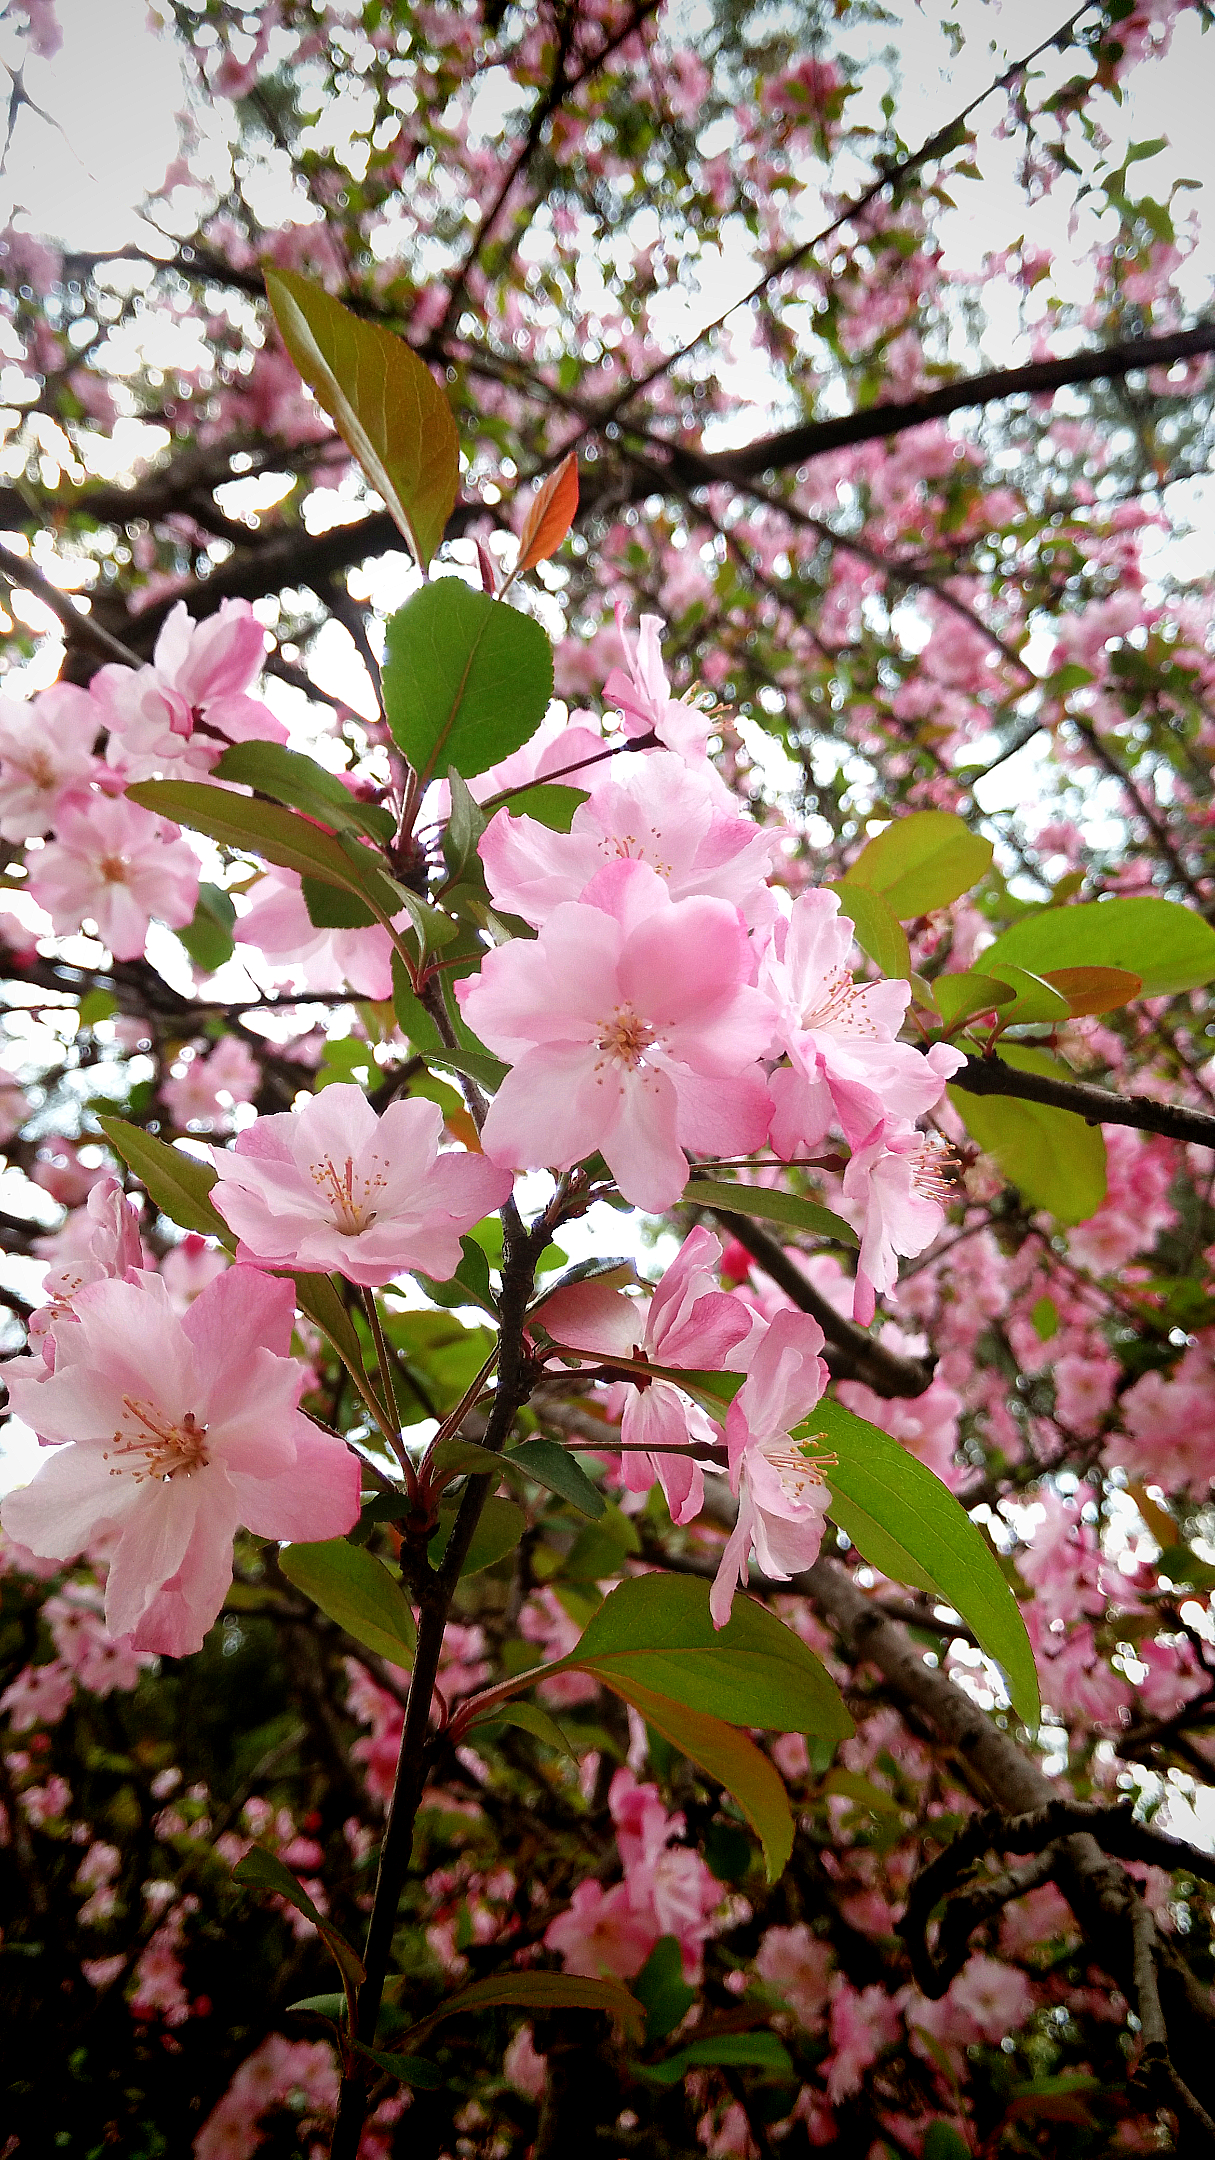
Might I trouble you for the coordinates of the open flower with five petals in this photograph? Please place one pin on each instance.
(781, 1493)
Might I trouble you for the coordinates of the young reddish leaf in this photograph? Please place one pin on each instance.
(549, 517)
(539, 1991)
(1094, 989)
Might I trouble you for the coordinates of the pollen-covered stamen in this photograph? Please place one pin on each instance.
(932, 1170)
(167, 1450)
(626, 847)
(800, 1472)
(626, 1037)
(842, 1003)
(354, 1209)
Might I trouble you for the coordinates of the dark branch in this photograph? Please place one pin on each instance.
(1096, 1105)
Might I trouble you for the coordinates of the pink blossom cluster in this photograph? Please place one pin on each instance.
(666, 1890)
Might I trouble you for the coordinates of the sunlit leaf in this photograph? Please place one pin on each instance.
(1053, 1157)
(922, 862)
(467, 679)
(1169, 947)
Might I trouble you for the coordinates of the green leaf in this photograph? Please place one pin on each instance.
(319, 1297)
(539, 1991)
(259, 1870)
(208, 938)
(302, 784)
(383, 400)
(725, 1754)
(1033, 999)
(326, 2006)
(406, 2069)
(1052, 1156)
(333, 907)
(177, 1182)
(922, 862)
(467, 679)
(464, 827)
(265, 828)
(661, 1989)
(907, 1523)
(1094, 989)
(530, 1718)
(548, 802)
(753, 1671)
(96, 1005)
(770, 1205)
(555, 1468)
(758, 2050)
(1169, 947)
(957, 997)
(356, 1590)
(498, 1531)
(876, 930)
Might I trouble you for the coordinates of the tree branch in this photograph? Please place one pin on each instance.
(1096, 1105)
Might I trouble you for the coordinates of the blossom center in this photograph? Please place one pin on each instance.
(113, 869)
(626, 1037)
(154, 1447)
(841, 1004)
(800, 1474)
(932, 1167)
(353, 1208)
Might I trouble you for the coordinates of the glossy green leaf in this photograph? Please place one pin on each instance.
(957, 997)
(260, 1870)
(1168, 946)
(467, 679)
(355, 1590)
(922, 862)
(302, 784)
(754, 2050)
(548, 802)
(907, 1523)
(754, 1671)
(1054, 1159)
(768, 1204)
(726, 1755)
(266, 828)
(660, 1986)
(406, 2069)
(539, 1991)
(529, 1717)
(876, 930)
(1033, 998)
(383, 400)
(555, 1468)
(178, 1183)
(335, 907)
(319, 1297)
(498, 1531)
(208, 938)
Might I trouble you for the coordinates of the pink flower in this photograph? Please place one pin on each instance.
(39, 1695)
(188, 1268)
(331, 1186)
(279, 925)
(117, 866)
(106, 1242)
(175, 1431)
(660, 812)
(797, 1963)
(599, 1935)
(643, 694)
(845, 1064)
(898, 1179)
(632, 1029)
(689, 1321)
(46, 749)
(211, 1086)
(177, 716)
(861, 2025)
(781, 1494)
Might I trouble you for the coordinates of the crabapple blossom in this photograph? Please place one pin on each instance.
(667, 1890)
(105, 1243)
(632, 1028)
(118, 866)
(845, 1064)
(780, 1488)
(642, 692)
(898, 1181)
(279, 925)
(688, 1321)
(333, 1186)
(230, 1070)
(177, 716)
(168, 1433)
(659, 811)
(46, 752)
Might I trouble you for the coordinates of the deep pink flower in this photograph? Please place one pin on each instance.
(117, 866)
(46, 750)
(632, 1029)
(175, 1431)
(781, 1493)
(177, 716)
(689, 1321)
(659, 811)
(333, 1186)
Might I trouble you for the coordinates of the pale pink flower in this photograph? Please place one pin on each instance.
(599, 1935)
(188, 1268)
(523, 2066)
(176, 1431)
(117, 866)
(661, 812)
(105, 1242)
(279, 925)
(846, 1066)
(332, 1186)
(207, 1091)
(39, 1695)
(46, 750)
(898, 1180)
(643, 694)
(861, 2026)
(781, 1493)
(689, 1321)
(632, 1028)
(996, 1997)
(177, 716)
(58, 1169)
(797, 1963)
(15, 1107)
